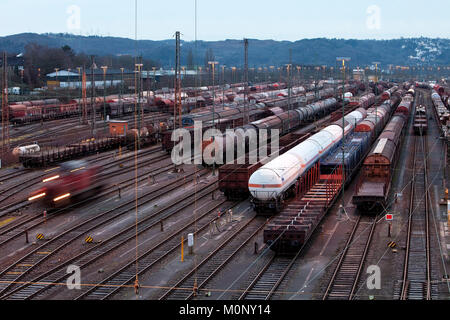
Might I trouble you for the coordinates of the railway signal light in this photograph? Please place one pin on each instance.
(389, 217)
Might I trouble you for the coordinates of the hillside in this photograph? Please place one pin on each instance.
(261, 52)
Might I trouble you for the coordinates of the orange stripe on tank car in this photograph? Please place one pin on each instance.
(265, 186)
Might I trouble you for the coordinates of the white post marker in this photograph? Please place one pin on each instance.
(191, 243)
(389, 218)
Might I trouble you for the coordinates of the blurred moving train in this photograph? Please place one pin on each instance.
(73, 181)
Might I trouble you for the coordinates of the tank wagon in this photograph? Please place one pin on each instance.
(284, 122)
(388, 93)
(275, 182)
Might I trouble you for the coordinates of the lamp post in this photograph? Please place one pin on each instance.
(223, 86)
(21, 82)
(56, 71)
(288, 69)
(233, 75)
(183, 69)
(121, 90)
(213, 65)
(154, 78)
(376, 86)
(81, 90)
(138, 67)
(104, 68)
(68, 83)
(343, 59)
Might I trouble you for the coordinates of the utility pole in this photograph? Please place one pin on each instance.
(246, 115)
(137, 82)
(121, 91)
(177, 102)
(84, 102)
(289, 66)
(5, 109)
(104, 68)
(213, 64)
(81, 93)
(343, 59)
(376, 88)
(223, 87)
(93, 66)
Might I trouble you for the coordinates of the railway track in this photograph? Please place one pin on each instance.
(417, 277)
(11, 232)
(21, 268)
(200, 275)
(20, 204)
(150, 258)
(267, 281)
(87, 258)
(347, 273)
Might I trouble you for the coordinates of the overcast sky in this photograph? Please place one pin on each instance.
(231, 19)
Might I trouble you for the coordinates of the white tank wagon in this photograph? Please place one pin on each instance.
(276, 181)
(20, 151)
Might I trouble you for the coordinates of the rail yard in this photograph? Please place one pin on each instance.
(205, 160)
(354, 183)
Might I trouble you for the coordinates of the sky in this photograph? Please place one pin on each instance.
(231, 19)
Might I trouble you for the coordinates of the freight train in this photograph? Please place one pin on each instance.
(441, 110)
(151, 133)
(276, 181)
(43, 110)
(233, 178)
(283, 122)
(290, 230)
(373, 187)
(358, 143)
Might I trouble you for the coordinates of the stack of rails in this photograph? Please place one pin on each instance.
(290, 230)
(372, 190)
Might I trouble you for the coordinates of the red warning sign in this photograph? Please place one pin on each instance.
(389, 217)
